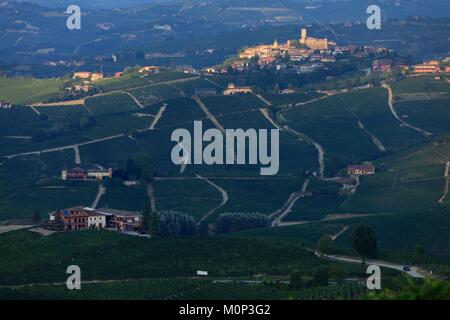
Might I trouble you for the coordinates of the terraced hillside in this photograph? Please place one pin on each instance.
(319, 136)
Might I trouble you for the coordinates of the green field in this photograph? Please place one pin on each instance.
(180, 112)
(420, 84)
(406, 231)
(18, 121)
(264, 196)
(154, 93)
(126, 81)
(110, 125)
(286, 99)
(189, 289)
(111, 103)
(119, 196)
(189, 87)
(111, 152)
(29, 90)
(324, 200)
(331, 123)
(192, 196)
(409, 181)
(30, 183)
(219, 105)
(167, 76)
(31, 258)
(423, 102)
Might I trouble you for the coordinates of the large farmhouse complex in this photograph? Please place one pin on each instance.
(84, 218)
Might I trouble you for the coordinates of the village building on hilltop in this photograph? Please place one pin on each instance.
(382, 65)
(431, 66)
(361, 169)
(232, 89)
(85, 75)
(314, 43)
(149, 69)
(5, 105)
(84, 218)
(86, 175)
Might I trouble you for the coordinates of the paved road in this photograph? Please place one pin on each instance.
(413, 273)
(279, 215)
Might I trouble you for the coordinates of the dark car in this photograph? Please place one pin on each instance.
(406, 269)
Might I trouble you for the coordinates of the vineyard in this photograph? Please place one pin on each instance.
(186, 289)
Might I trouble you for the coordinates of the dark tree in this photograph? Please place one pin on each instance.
(155, 225)
(296, 280)
(140, 167)
(320, 277)
(203, 229)
(420, 250)
(145, 227)
(40, 135)
(150, 221)
(364, 241)
(232, 222)
(36, 216)
(174, 224)
(338, 274)
(326, 245)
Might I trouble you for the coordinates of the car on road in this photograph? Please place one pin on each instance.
(406, 269)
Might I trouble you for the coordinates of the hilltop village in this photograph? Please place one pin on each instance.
(309, 54)
(308, 58)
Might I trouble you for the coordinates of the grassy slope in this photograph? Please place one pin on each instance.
(30, 258)
(409, 181)
(29, 90)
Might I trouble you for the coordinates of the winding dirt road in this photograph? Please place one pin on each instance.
(447, 181)
(221, 190)
(279, 215)
(101, 191)
(394, 113)
(209, 115)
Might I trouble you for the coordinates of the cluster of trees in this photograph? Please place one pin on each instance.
(73, 95)
(326, 245)
(137, 168)
(319, 277)
(271, 80)
(177, 224)
(231, 222)
(167, 223)
(59, 128)
(172, 223)
(150, 221)
(364, 241)
(140, 168)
